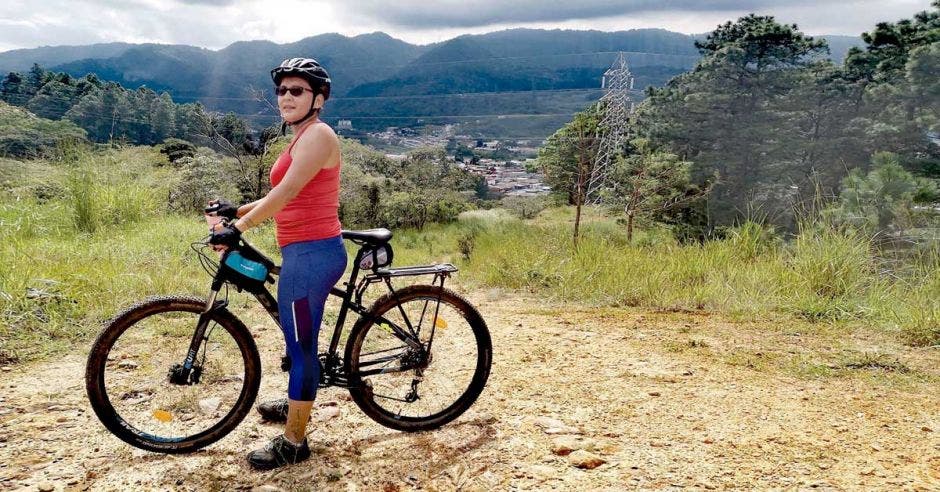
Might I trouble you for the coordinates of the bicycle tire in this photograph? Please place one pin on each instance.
(184, 306)
(364, 395)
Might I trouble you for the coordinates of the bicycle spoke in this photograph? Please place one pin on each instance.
(138, 376)
(383, 351)
(445, 378)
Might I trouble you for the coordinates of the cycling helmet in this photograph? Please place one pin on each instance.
(309, 70)
(305, 68)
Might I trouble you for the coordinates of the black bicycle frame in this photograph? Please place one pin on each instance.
(351, 300)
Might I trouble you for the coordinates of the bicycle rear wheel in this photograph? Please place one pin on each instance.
(128, 383)
(423, 382)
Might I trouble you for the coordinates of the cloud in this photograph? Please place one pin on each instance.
(217, 23)
(215, 3)
(58, 22)
(457, 13)
(33, 33)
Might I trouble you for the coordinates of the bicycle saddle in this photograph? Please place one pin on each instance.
(373, 236)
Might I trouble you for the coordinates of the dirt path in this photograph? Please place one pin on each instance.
(667, 400)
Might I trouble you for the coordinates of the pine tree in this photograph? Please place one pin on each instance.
(12, 90)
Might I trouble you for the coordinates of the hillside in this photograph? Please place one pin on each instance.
(371, 73)
(20, 60)
(24, 134)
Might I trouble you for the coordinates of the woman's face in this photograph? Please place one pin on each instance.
(293, 107)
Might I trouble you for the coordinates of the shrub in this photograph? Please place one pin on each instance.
(176, 149)
(525, 207)
(201, 178)
(81, 198)
(918, 315)
(44, 192)
(465, 242)
(752, 240)
(832, 264)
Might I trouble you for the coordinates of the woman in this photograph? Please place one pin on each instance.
(304, 201)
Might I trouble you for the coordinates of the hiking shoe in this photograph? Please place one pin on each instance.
(274, 411)
(278, 452)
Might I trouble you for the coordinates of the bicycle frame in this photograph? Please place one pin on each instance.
(351, 296)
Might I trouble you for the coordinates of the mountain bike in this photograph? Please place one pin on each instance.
(175, 374)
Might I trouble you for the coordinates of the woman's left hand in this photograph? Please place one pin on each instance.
(222, 208)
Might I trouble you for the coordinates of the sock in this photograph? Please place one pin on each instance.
(295, 444)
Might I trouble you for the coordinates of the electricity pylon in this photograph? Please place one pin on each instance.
(616, 107)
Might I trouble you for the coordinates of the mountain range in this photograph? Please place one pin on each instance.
(533, 78)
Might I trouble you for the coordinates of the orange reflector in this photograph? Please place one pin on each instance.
(162, 415)
(440, 323)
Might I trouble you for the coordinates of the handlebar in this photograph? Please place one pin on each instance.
(244, 247)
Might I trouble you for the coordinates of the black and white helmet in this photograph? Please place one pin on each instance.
(306, 68)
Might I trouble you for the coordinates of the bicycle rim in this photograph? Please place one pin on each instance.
(450, 380)
(154, 413)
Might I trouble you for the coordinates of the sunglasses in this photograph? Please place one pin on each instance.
(294, 91)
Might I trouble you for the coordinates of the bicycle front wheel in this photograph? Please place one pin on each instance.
(419, 358)
(139, 392)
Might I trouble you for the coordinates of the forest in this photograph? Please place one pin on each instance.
(766, 128)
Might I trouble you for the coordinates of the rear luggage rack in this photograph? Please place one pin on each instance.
(443, 269)
(440, 271)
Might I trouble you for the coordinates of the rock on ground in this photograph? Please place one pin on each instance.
(585, 459)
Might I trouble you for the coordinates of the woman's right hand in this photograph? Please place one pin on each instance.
(224, 236)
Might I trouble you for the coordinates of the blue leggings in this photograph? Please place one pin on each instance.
(308, 271)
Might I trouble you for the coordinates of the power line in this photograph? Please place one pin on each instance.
(127, 119)
(408, 96)
(372, 66)
(411, 117)
(27, 98)
(418, 96)
(124, 119)
(452, 62)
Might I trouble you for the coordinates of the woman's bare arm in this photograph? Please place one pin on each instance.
(313, 151)
(244, 209)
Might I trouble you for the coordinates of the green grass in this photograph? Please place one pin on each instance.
(823, 275)
(914, 304)
(57, 289)
(79, 238)
(83, 236)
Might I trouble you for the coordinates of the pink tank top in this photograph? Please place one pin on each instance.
(313, 213)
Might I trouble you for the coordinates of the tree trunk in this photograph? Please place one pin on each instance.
(630, 227)
(259, 179)
(577, 221)
(582, 178)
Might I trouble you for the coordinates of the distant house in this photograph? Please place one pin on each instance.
(344, 125)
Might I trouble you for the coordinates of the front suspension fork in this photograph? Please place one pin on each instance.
(188, 372)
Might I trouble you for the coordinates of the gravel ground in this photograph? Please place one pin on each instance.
(578, 399)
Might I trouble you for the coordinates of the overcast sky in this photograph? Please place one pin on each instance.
(216, 23)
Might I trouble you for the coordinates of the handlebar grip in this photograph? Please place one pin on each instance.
(214, 220)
